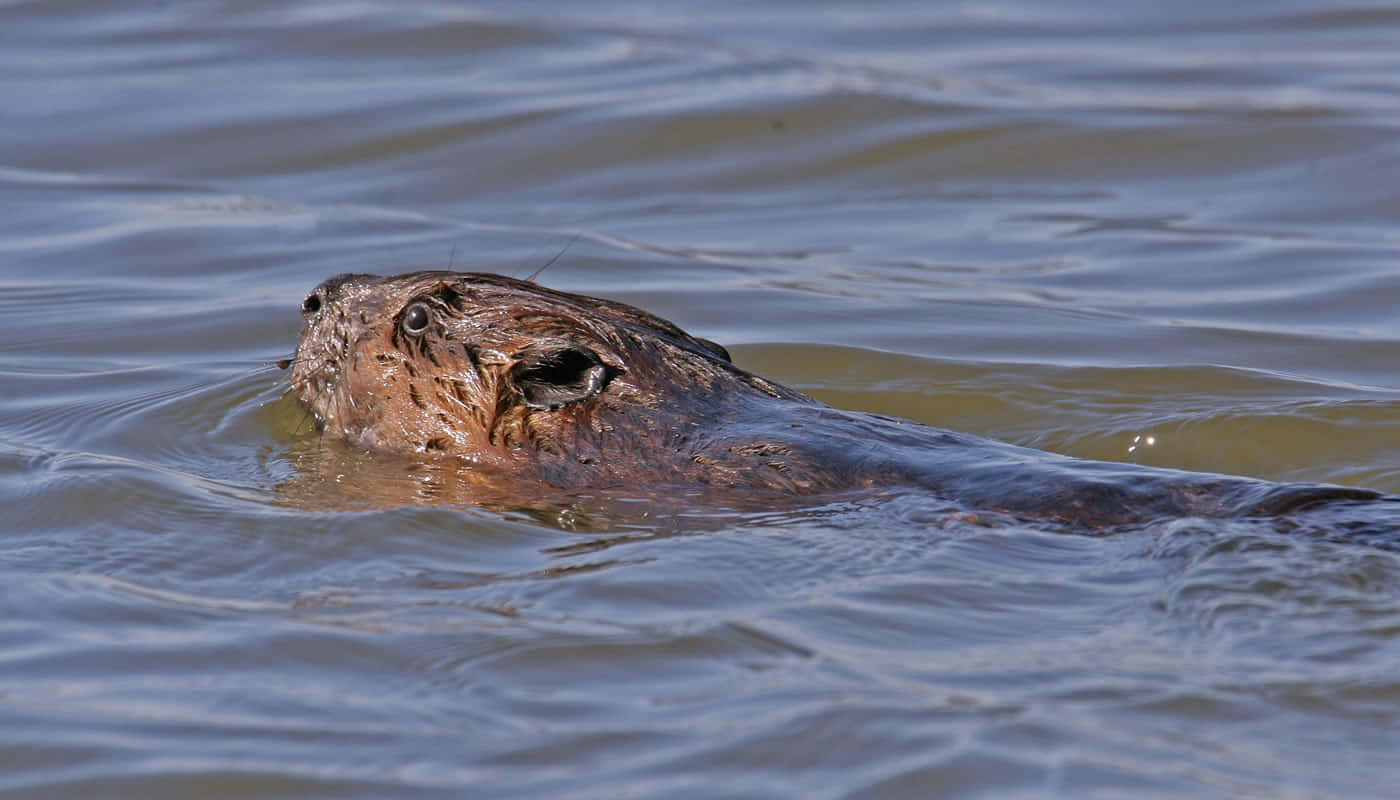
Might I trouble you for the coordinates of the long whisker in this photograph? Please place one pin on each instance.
(548, 263)
(308, 422)
(308, 419)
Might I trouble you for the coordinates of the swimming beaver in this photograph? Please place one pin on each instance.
(549, 389)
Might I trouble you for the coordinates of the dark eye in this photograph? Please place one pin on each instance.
(312, 303)
(415, 319)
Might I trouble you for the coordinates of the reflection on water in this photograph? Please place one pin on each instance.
(1074, 226)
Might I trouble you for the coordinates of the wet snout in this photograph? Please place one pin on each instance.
(335, 315)
(335, 290)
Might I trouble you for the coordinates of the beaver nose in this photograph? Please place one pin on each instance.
(330, 290)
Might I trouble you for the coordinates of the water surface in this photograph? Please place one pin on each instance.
(1135, 231)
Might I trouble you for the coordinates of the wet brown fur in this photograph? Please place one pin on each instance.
(542, 388)
(453, 389)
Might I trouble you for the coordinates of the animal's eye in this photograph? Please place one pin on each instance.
(415, 319)
(312, 303)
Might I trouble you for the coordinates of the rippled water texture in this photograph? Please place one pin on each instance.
(1155, 232)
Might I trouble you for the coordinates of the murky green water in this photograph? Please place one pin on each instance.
(1162, 233)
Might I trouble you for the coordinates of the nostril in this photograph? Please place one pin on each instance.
(312, 303)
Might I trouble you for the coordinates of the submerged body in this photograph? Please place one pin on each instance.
(537, 388)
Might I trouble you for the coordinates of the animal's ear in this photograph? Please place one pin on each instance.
(715, 348)
(557, 373)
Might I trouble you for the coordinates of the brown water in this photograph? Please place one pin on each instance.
(1158, 232)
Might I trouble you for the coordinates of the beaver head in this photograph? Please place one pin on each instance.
(509, 374)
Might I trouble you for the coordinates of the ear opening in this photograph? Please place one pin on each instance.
(556, 374)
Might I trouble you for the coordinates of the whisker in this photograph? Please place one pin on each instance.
(547, 264)
(261, 367)
(308, 421)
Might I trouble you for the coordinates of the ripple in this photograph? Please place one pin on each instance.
(1038, 222)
